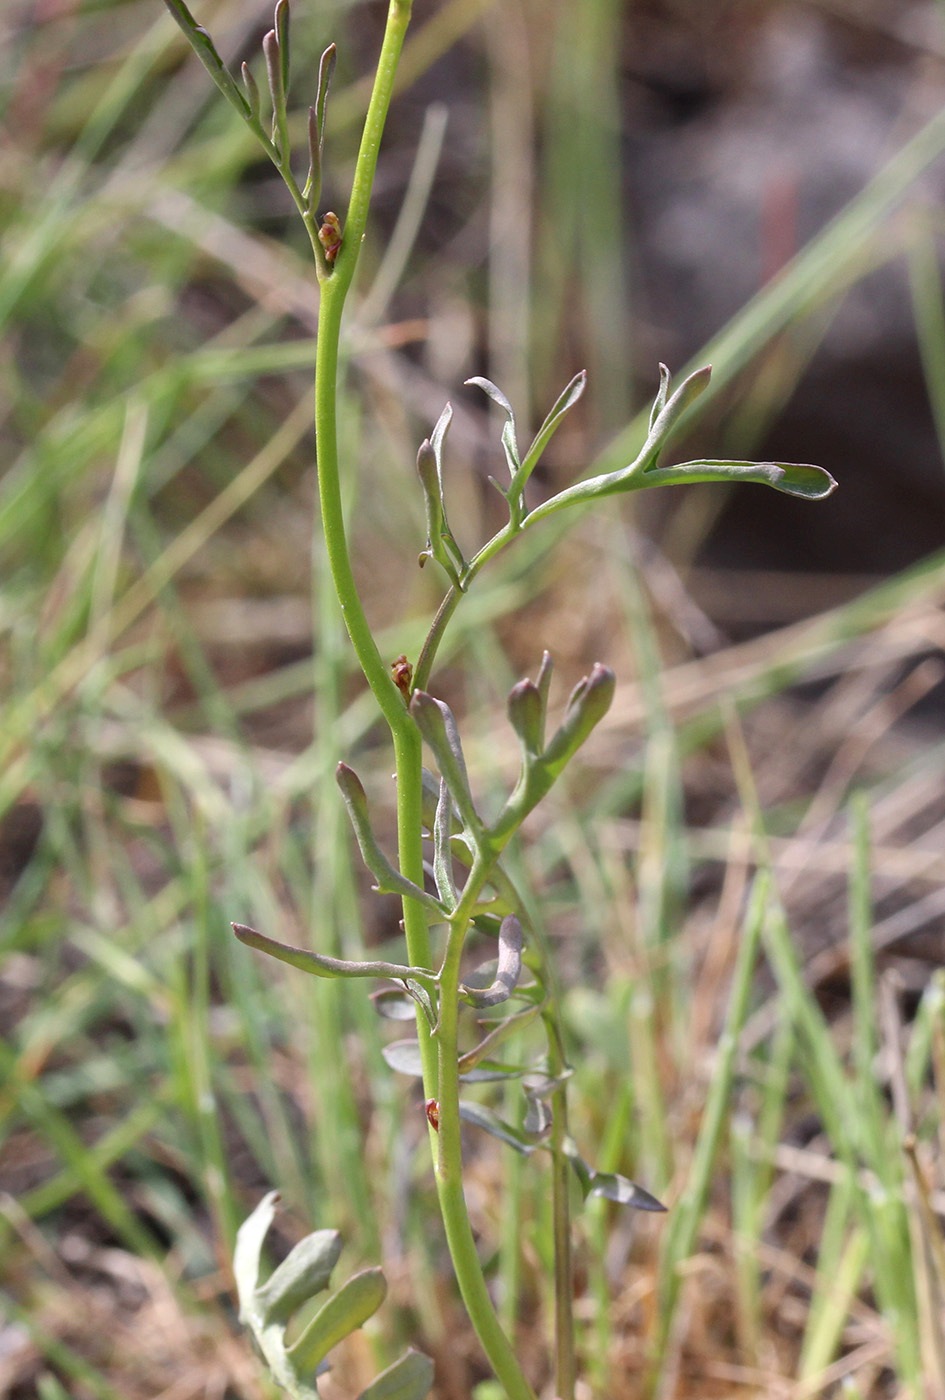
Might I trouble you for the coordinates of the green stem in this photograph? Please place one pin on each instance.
(440, 1074)
(451, 601)
(565, 1366)
(449, 1161)
(565, 1369)
(398, 17)
(334, 289)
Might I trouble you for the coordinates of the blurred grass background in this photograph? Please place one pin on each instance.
(743, 877)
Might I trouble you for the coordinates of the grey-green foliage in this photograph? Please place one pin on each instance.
(267, 1308)
(794, 478)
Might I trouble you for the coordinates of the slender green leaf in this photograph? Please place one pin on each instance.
(343, 1313)
(305, 1271)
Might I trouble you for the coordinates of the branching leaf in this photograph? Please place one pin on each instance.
(303, 1274)
(587, 705)
(796, 479)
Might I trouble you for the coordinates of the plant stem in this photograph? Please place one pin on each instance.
(335, 284)
(451, 601)
(565, 1366)
(440, 1073)
(449, 1161)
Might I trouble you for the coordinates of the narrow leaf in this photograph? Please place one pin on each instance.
(281, 22)
(624, 1191)
(438, 436)
(437, 724)
(509, 1025)
(526, 712)
(590, 700)
(432, 501)
(494, 392)
(537, 1115)
(343, 1313)
(442, 849)
(543, 682)
(440, 543)
(801, 479)
(389, 880)
(659, 403)
(316, 129)
(273, 57)
(247, 1253)
(321, 964)
(578, 1165)
(326, 68)
(421, 994)
(508, 968)
(565, 401)
(509, 440)
(491, 1123)
(204, 48)
(671, 412)
(493, 1072)
(252, 91)
(305, 1271)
